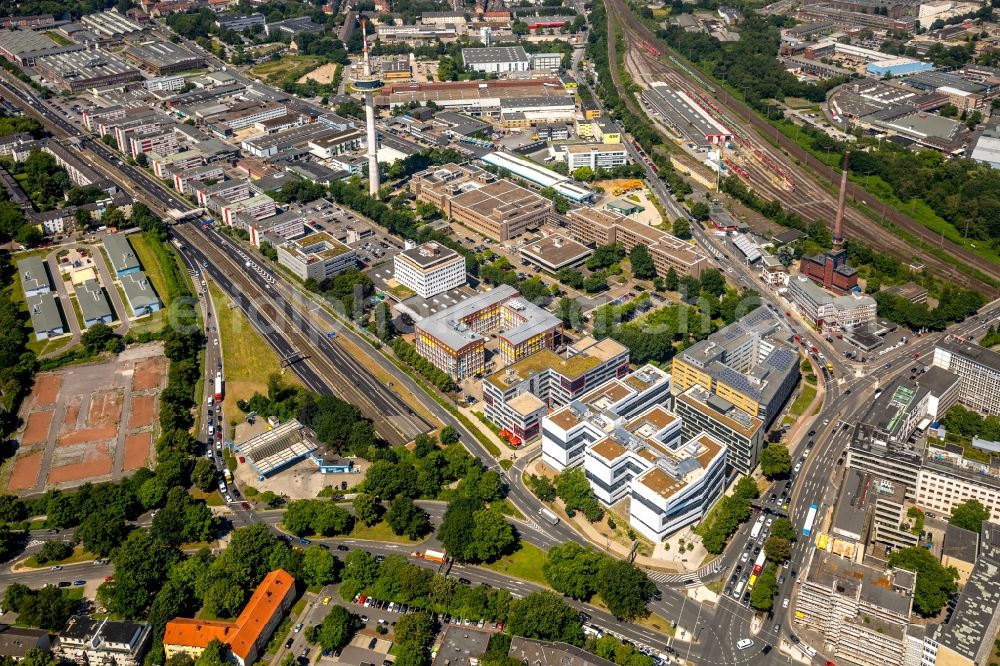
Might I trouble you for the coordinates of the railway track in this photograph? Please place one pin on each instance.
(809, 198)
(393, 420)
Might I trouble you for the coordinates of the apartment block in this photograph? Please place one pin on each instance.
(159, 142)
(429, 269)
(87, 640)
(553, 380)
(977, 367)
(748, 363)
(289, 224)
(257, 207)
(595, 227)
(186, 181)
(216, 195)
(454, 339)
(863, 612)
(476, 198)
(247, 636)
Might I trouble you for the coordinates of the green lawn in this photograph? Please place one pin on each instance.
(151, 266)
(79, 555)
(211, 498)
(248, 359)
(805, 397)
(378, 532)
(524, 563)
(402, 292)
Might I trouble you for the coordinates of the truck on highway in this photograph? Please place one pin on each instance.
(758, 564)
(757, 527)
(432, 555)
(810, 519)
(218, 386)
(548, 516)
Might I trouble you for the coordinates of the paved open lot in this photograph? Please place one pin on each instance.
(90, 422)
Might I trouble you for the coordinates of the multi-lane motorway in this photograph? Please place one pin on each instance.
(293, 325)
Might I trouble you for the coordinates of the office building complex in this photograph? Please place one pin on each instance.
(476, 198)
(247, 636)
(631, 446)
(819, 307)
(594, 227)
(742, 433)
(318, 256)
(454, 339)
(517, 397)
(568, 430)
(429, 269)
(748, 363)
(862, 611)
(978, 370)
(595, 156)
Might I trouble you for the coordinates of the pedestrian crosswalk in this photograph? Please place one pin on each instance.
(689, 579)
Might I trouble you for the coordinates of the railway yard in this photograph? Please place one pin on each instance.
(798, 180)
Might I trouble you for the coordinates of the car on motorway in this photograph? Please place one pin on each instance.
(364, 618)
(55, 568)
(342, 548)
(245, 505)
(326, 601)
(784, 603)
(80, 582)
(298, 627)
(745, 556)
(465, 581)
(64, 583)
(744, 643)
(289, 642)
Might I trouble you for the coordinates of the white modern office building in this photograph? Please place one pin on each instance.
(977, 367)
(429, 269)
(670, 481)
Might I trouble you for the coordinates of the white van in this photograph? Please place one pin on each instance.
(744, 643)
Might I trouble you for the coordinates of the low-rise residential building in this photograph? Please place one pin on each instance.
(46, 319)
(93, 303)
(595, 227)
(247, 636)
(15, 642)
(429, 269)
(109, 642)
(774, 273)
(318, 256)
(240, 23)
(862, 611)
(123, 259)
(34, 276)
(139, 294)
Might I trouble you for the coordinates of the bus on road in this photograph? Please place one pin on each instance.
(810, 519)
(755, 532)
